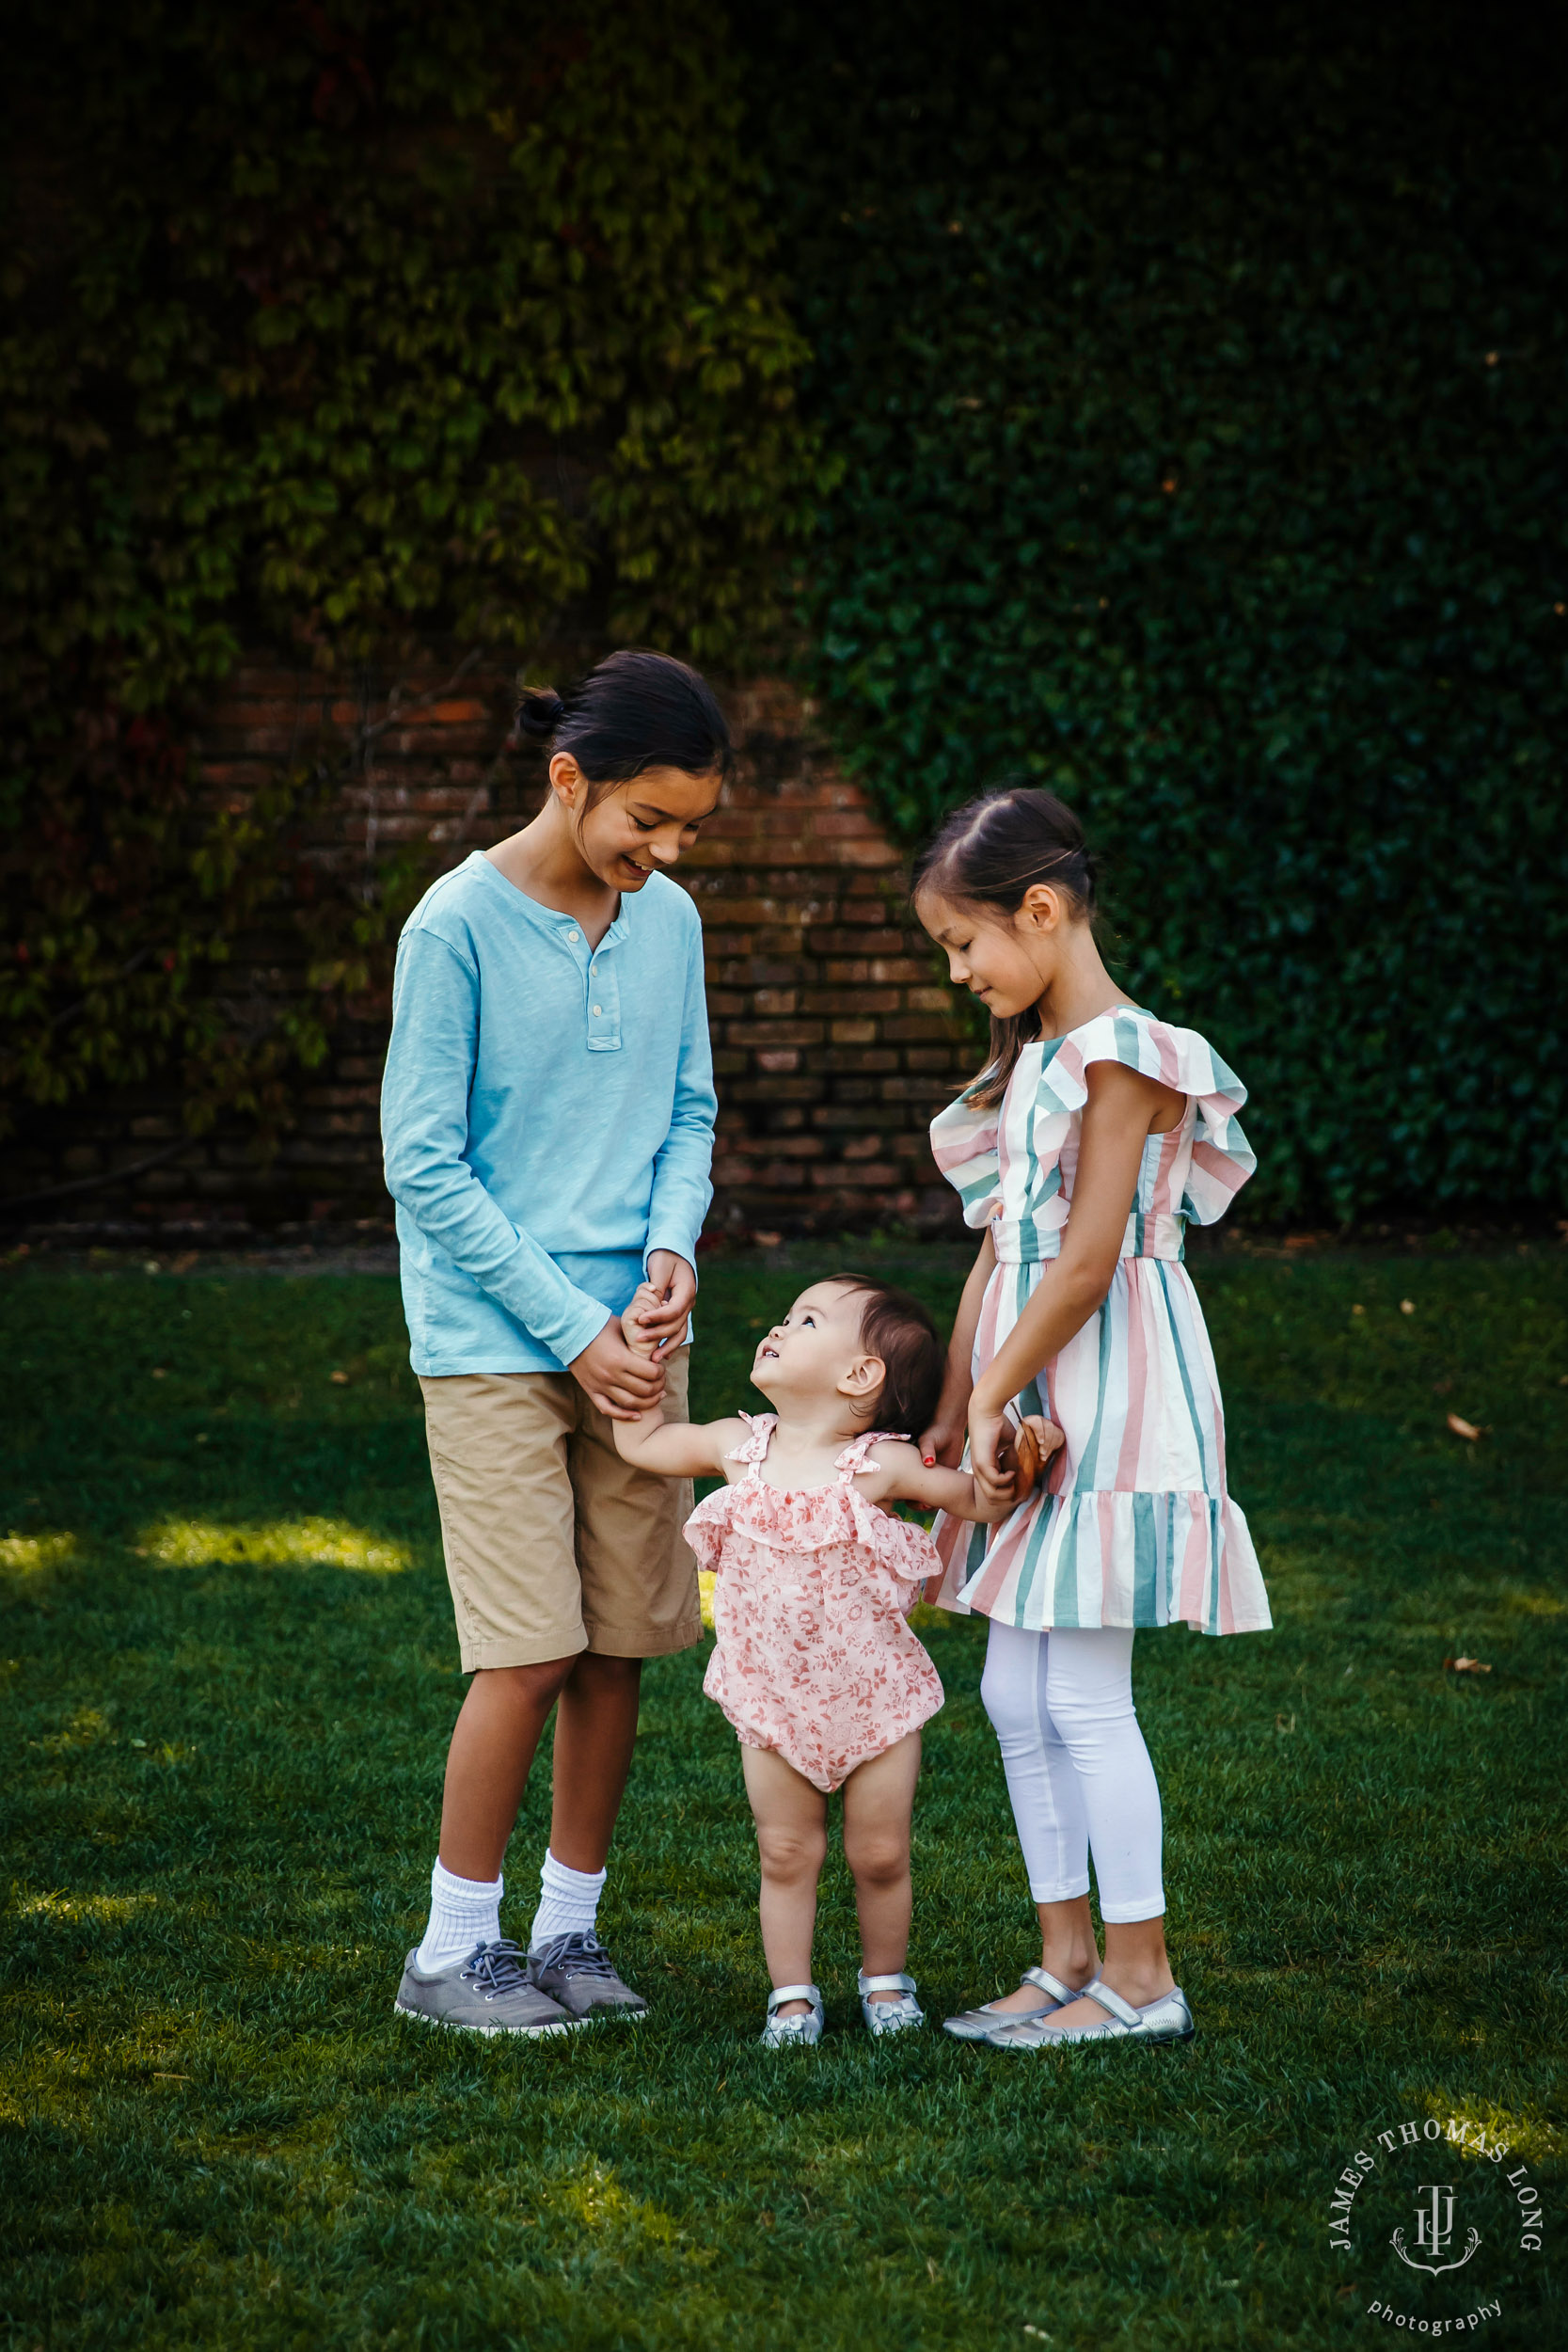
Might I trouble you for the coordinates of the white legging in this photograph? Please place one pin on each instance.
(1078, 1771)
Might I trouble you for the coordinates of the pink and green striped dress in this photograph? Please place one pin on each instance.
(1132, 1525)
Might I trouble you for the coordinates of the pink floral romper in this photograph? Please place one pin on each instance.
(812, 1594)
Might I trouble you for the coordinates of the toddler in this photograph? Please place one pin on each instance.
(814, 1663)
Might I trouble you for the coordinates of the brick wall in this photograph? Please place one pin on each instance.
(833, 1037)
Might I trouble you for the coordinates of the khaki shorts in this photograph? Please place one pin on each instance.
(553, 1544)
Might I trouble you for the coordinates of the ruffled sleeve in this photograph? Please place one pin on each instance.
(714, 1516)
(901, 1549)
(1222, 1158)
(963, 1144)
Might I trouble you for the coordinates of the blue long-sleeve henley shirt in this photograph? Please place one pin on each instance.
(547, 1113)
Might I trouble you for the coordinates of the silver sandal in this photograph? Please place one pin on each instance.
(1168, 2019)
(979, 2025)
(889, 2016)
(784, 2033)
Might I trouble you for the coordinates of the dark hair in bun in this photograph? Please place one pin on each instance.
(540, 713)
(633, 711)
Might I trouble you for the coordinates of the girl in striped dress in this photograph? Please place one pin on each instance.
(1093, 1135)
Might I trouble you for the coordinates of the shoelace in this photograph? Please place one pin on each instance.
(579, 1955)
(498, 1967)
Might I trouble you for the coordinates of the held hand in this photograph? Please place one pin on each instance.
(990, 1453)
(621, 1384)
(673, 1284)
(644, 1304)
(1047, 1435)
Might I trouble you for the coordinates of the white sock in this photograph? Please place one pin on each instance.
(462, 1912)
(568, 1901)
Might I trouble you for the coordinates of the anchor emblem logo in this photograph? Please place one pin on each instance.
(1434, 2231)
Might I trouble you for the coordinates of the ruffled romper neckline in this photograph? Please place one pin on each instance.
(1134, 1524)
(812, 1586)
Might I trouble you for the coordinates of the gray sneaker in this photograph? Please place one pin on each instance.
(490, 1992)
(577, 1971)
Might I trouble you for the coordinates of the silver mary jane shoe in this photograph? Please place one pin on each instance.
(1168, 2019)
(977, 2025)
(898, 2016)
(790, 2033)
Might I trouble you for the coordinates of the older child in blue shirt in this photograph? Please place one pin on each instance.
(547, 1113)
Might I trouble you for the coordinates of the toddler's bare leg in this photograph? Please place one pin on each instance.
(792, 1841)
(879, 1802)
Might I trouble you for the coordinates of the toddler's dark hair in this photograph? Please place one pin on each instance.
(633, 711)
(896, 1327)
(988, 853)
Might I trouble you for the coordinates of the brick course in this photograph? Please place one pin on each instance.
(835, 1038)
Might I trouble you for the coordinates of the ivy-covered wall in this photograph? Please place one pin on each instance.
(1163, 401)
(1196, 377)
(349, 328)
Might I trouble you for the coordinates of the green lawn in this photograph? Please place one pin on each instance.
(229, 1674)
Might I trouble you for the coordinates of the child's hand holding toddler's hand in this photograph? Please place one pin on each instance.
(1034, 1440)
(645, 1305)
(1008, 1457)
(660, 1310)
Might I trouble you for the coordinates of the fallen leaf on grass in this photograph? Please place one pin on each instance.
(158, 1373)
(338, 1379)
(765, 1241)
(1280, 1725)
(1466, 1665)
(1464, 1428)
(1407, 1306)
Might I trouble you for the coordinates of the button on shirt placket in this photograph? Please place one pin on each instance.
(601, 996)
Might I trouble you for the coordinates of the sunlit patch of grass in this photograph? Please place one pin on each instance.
(1534, 1604)
(595, 2200)
(278, 1544)
(35, 1555)
(1528, 2138)
(87, 1728)
(104, 1909)
(704, 1587)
